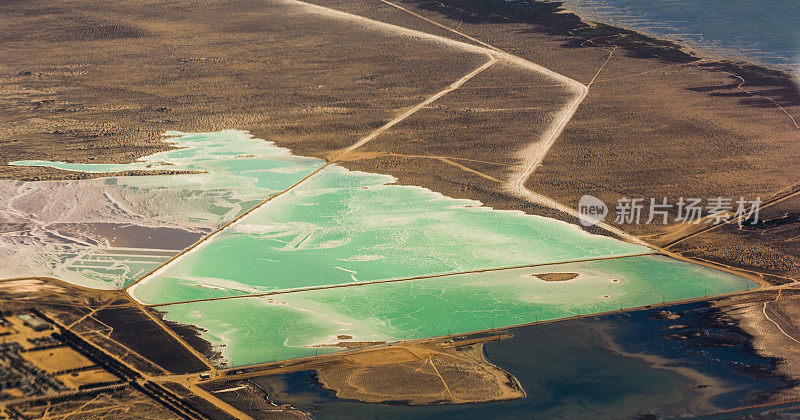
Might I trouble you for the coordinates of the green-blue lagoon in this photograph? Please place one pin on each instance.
(346, 227)
(296, 324)
(322, 250)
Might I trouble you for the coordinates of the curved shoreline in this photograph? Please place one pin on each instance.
(610, 13)
(553, 18)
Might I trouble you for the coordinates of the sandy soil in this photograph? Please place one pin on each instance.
(57, 359)
(556, 276)
(420, 375)
(302, 79)
(86, 377)
(120, 404)
(771, 246)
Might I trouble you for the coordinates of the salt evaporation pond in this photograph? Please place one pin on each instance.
(290, 325)
(67, 229)
(342, 227)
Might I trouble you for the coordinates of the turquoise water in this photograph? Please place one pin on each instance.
(763, 32)
(345, 226)
(231, 161)
(338, 227)
(236, 173)
(258, 329)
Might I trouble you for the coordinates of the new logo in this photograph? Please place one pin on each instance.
(591, 210)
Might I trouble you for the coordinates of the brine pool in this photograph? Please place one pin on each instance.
(319, 249)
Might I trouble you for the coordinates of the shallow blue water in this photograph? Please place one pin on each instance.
(763, 32)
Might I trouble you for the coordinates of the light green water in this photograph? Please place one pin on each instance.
(339, 227)
(260, 329)
(345, 226)
(228, 159)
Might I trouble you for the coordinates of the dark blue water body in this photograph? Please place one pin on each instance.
(617, 366)
(705, 342)
(764, 32)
